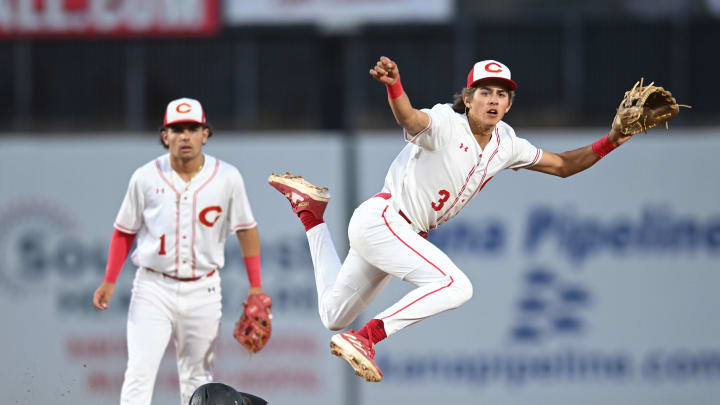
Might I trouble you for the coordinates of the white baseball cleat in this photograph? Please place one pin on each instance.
(303, 195)
(357, 351)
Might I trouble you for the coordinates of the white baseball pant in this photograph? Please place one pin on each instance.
(161, 308)
(382, 244)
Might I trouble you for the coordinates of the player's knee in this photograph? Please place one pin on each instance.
(138, 373)
(335, 326)
(332, 322)
(462, 290)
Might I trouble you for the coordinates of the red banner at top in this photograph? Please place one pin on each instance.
(108, 18)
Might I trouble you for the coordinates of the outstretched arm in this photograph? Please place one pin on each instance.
(568, 163)
(386, 72)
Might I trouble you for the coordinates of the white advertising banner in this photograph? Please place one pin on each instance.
(336, 13)
(595, 289)
(59, 201)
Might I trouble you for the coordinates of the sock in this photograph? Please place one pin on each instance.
(309, 220)
(374, 331)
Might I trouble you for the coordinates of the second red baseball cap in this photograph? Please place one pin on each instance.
(490, 69)
(184, 110)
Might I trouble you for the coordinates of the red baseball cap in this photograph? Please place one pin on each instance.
(184, 110)
(490, 69)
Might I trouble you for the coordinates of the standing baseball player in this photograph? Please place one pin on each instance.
(453, 150)
(180, 208)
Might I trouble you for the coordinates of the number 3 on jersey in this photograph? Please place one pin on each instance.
(444, 196)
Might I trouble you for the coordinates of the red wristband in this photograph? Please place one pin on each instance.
(603, 146)
(395, 90)
(252, 266)
(120, 245)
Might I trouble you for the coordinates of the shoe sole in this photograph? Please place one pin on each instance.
(345, 350)
(297, 182)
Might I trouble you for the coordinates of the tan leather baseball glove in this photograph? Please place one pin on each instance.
(254, 327)
(645, 107)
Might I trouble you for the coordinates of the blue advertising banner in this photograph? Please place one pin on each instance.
(595, 289)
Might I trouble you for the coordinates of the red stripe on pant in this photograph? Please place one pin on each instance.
(387, 196)
(423, 257)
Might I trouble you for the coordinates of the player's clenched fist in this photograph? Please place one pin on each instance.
(385, 71)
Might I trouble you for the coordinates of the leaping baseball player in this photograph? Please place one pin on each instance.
(180, 208)
(453, 151)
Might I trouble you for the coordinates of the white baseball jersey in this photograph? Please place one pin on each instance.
(443, 167)
(182, 226)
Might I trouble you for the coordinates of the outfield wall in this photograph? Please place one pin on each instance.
(599, 288)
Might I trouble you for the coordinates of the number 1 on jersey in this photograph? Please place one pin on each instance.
(162, 245)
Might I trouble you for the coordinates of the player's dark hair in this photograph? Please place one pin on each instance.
(165, 128)
(459, 102)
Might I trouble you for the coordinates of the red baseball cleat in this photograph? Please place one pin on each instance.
(303, 195)
(359, 352)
